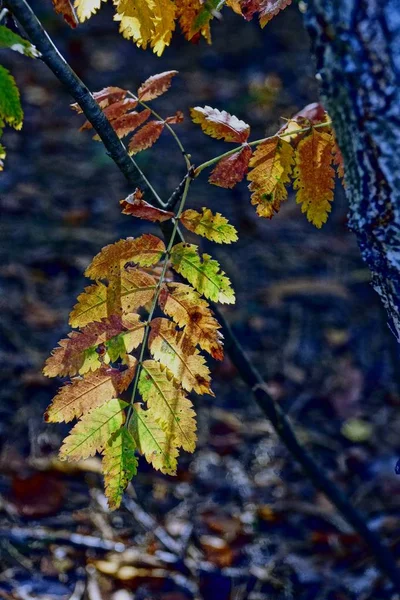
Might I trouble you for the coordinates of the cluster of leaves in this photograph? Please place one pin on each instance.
(120, 106)
(152, 22)
(302, 153)
(136, 327)
(10, 104)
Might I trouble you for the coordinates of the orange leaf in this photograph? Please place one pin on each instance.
(146, 137)
(129, 122)
(267, 9)
(136, 206)
(314, 175)
(338, 160)
(83, 395)
(231, 169)
(220, 124)
(155, 86)
(115, 110)
(176, 118)
(145, 250)
(65, 8)
(188, 11)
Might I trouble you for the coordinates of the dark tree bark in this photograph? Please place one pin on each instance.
(357, 46)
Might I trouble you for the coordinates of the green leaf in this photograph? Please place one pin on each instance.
(119, 465)
(10, 104)
(203, 273)
(10, 39)
(92, 432)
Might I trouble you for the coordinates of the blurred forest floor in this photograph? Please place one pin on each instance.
(240, 521)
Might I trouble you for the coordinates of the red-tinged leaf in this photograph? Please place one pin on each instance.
(146, 136)
(220, 124)
(176, 118)
(338, 160)
(128, 123)
(266, 9)
(231, 169)
(65, 8)
(104, 97)
(136, 206)
(114, 111)
(156, 85)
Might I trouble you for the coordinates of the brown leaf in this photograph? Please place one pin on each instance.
(146, 137)
(128, 123)
(155, 86)
(136, 206)
(231, 169)
(104, 97)
(65, 8)
(178, 117)
(114, 111)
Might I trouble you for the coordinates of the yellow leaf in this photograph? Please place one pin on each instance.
(136, 19)
(214, 227)
(176, 351)
(271, 166)
(119, 465)
(220, 125)
(186, 307)
(86, 8)
(92, 432)
(314, 175)
(158, 446)
(203, 273)
(164, 24)
(168, 405)
(136, 290)
(83, 395)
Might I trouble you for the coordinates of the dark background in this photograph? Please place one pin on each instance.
(246, 522)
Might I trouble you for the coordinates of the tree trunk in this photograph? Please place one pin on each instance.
(357, 45)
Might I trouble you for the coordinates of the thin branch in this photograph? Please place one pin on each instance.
(246, 369)
(78, 90)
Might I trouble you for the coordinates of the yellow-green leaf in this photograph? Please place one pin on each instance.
(119, 465)
(203, 273)
(10, 39)
(157, 445)
(10, 104)
(168, 405)
(214, 227)
(92, 432)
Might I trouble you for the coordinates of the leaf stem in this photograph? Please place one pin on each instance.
(211, 162)
(156, 295)
(168, 126)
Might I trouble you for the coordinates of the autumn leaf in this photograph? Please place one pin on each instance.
(145, 251)
(128, 122)
(10, 39)
(187, 11)
(230, 170)
(176, 351)
(137, 289)
(155, 86)
(87, 8)
(10, 103)
(220, 124)
(79, 352)
(157, 445)
(136, 206)
(203, 273)
(92, 432)
(186, 307)
(266, 9)
(168, 405)
(119, 465)
(115, 110)
(338, 159)
(64, 8)
(146, 136)
(104, 98)
(314, 175)
(84, 395)
(213, 227)
(271, 166)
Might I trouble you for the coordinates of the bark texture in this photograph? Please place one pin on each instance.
(357, 46)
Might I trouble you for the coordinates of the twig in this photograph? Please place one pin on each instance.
(23, 534)
(50, 55)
